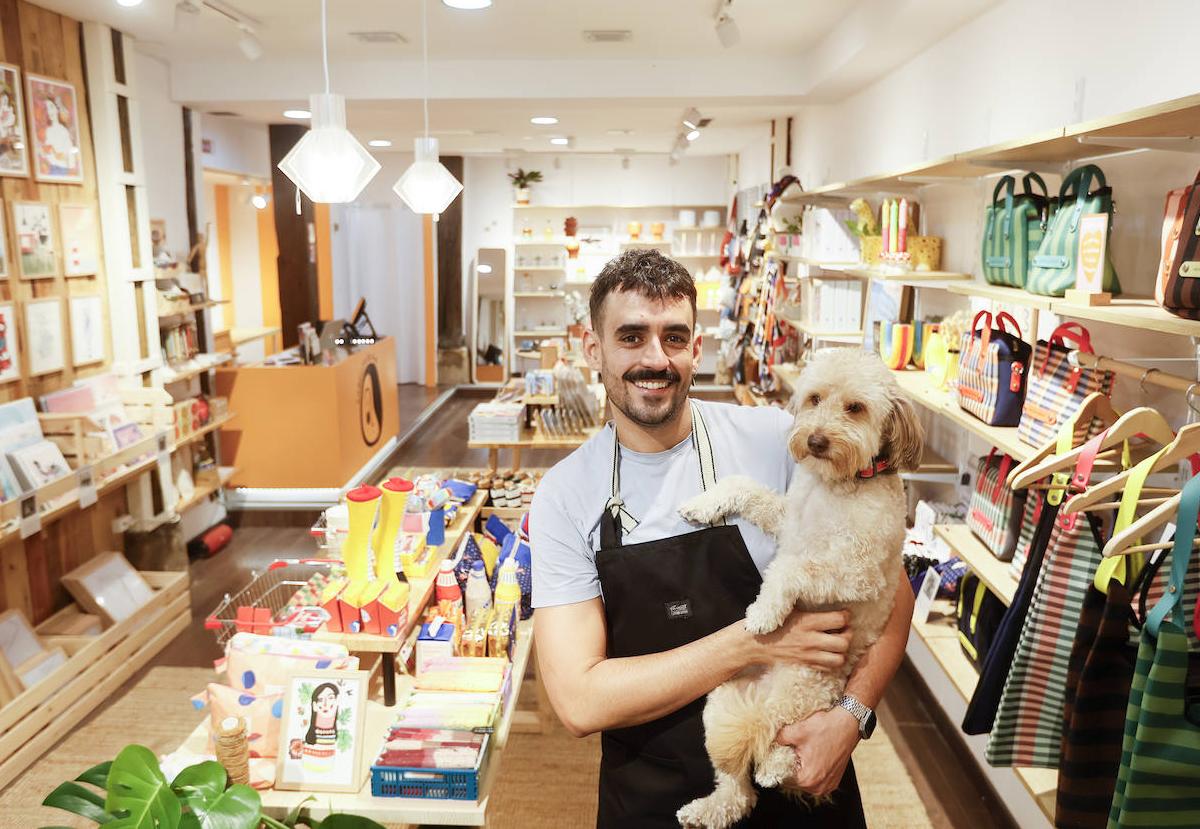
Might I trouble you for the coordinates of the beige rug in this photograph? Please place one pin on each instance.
(547, 781)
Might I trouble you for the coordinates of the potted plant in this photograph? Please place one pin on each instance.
(521, 180)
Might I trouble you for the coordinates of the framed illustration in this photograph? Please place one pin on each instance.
(14, 155)
(44, 329)
(10, 353)
(107, 586)
(87, 330)
(3, 247)
(35, 240)
(54, 130)
(40, 464)
(80, 234)
(320, 741)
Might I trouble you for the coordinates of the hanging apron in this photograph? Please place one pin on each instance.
(660, 595)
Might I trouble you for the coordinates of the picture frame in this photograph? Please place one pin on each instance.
(39, 464)
(126, 434)
(10, 352)
(33, 227)
(80, 233)
(19, 642)
(44, 332)
(54, 130)
(107, 586)
(4, 259)
(87, 329)
(14, 149)
(321, 735)
(41, 666)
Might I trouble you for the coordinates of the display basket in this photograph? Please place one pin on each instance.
(265, 604)
(431, 784)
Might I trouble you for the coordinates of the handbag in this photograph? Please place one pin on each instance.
(995, 511)
(1053, 270)
(1013, 228)
(1159, 773)
(1056, 388)
(992, 365)
(1180, 291)
(979, 612)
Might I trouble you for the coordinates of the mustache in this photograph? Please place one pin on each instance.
(646, 375)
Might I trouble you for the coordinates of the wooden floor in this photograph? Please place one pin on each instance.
(954, 793)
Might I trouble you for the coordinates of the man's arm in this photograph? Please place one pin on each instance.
(592, 693)
(824, 742)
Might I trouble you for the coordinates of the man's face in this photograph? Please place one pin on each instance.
(645, 354)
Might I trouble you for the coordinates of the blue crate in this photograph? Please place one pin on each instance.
(430, 784)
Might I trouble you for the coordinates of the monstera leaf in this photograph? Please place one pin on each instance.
(138, 793)
(238, 807)
(73, 798)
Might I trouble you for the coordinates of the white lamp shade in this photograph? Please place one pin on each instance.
(427, 186)
(328, 164)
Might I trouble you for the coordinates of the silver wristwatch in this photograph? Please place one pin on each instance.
(864, 715)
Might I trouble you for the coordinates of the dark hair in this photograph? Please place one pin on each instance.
(311, 736)
(645, 271)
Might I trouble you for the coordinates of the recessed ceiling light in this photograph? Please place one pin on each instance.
(468, 5)
(379, 142)
(561, 142)
(298, 114)
(543, 120)
(483, 268)
(693, 135)
(129, 3)
(619, 132)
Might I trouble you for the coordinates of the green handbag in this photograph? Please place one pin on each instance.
(1053, 270)
(1158, 782)
(1013, 230)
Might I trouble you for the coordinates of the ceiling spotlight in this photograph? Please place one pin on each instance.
(691, 119)
(727, 27)
(467, 5)
(297, 114)
(250, 45)
(483, 268)
(559, 141)
(129, 3)
(543, 120)
(693, 135)
(259, 201)
(379, 142)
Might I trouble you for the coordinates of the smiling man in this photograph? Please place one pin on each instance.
(640, 613)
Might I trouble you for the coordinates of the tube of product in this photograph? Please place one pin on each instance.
(895, 222)
(885, 223)
(903, 232)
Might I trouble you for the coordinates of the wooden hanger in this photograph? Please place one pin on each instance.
(1095, 405)
(1126, 542)
(1097, 497)
(1140, 421)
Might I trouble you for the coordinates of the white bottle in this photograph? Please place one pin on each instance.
(479, 592)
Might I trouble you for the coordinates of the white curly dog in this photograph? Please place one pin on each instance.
(840, 532)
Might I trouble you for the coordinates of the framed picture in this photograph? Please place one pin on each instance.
(54, 130)
(78, 229)
(126, 434)
(18, 641)
(10, 353)
(3, 247)
(87, 330)
(43, 327)
(320, 741)
(35, 240)
(14, 155)
(41, 666)
(107, 586)
(39, 464)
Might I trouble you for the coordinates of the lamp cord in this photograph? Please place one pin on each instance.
(325, 46)
(425, 61)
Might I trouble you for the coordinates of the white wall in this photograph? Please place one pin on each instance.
(161, 127)
(237, 146)
(247, 273)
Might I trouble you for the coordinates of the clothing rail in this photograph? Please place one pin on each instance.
(1154, 376)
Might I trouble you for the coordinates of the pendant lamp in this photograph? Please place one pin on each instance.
(427, 186)
(328, 164)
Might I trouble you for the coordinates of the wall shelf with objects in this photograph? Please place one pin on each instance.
(993, 572)
(921, 389)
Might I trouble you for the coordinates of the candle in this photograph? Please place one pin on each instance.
(895, 220)
(903, 242)
(885, 224)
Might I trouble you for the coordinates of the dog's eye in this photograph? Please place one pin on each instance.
(854, 408)
(814, 399)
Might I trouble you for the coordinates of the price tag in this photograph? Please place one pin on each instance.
(926, 595)
(31, 518)
(87, 486)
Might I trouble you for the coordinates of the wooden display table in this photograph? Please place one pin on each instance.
(309, 426)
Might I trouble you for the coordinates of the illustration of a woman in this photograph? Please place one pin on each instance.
(57, 150)
(320, 743)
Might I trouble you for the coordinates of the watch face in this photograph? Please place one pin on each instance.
(868, 726)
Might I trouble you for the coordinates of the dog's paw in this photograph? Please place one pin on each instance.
(717, 811)
(776, 767)
(706, 508)
(761, 619)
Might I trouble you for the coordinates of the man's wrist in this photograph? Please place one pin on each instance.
(849, 720)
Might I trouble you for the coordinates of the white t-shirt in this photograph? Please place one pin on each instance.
(564, 522)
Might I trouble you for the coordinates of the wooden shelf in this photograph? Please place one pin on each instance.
(204, 490)
(201, 432)
(645, 243)
(554, 268)
(191, 309)
(820, 333)
(556, 242)
(196, 372)
(539, 294)
(817, 263)
(695, 255)
(908, 277)
(1001, 294)
(535, 439)
(1132, 312)
(540, 335)
(241, 336)
(993, 572)
(918, 386)
(613, 207)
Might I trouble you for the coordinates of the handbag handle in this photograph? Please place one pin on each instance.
(1009, 183)
(1079, 181)
(1002, 478)
(987, 464)
(1072, 332)
(1032, 177)
(1003, 319)
(1181, 554)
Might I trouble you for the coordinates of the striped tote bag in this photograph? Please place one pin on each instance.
(1029, 521)
(1013, 228)
(1056, 389)
(994, 513)
(1053, 270)
(1158, 783)
(992, 365)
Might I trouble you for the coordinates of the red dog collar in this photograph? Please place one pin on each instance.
(871, 471)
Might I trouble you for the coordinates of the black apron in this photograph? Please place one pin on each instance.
(660, 595)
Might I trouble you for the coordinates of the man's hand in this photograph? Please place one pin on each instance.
(823, 744)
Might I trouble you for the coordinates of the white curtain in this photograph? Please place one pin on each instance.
(377, 254)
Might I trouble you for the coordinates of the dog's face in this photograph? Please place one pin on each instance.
(850, 411)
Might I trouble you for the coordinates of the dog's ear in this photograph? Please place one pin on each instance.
(903, 435)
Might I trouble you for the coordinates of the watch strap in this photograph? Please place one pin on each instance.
(859, 711)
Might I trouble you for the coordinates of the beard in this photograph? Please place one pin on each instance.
(643, 409)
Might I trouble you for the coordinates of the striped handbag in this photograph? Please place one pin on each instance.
(1179, 287)
(1012, 230)
(1159, 775)
(992, 365)
(1053, 270)
(995, 511)
(1056, 388)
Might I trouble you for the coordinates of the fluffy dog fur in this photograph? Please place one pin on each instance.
(839, 546)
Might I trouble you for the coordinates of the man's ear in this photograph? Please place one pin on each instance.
(591, 348)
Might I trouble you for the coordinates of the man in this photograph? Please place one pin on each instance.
(641, 614)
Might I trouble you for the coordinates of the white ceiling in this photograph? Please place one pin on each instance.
(491, 70)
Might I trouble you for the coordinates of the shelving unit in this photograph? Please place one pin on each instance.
(993, 572)
(200, 433)
(919, 387)
(206, 489)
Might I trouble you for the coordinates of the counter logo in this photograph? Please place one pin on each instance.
(370, 405)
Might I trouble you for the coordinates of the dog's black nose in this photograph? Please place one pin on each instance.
(817, 444)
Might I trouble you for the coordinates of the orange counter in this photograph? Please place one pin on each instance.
(309, 426)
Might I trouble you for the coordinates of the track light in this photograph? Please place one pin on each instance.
(250, 45)
(727, 28)
(258, 201)
(693, 135)
(691, 119)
